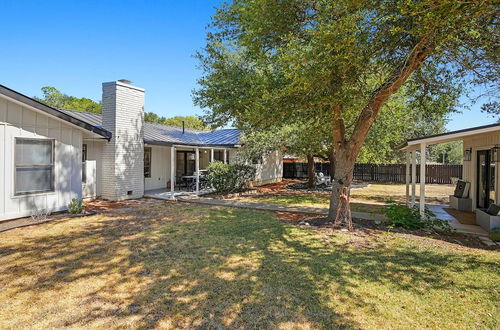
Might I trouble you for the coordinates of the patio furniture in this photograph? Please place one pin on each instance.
(322, 179)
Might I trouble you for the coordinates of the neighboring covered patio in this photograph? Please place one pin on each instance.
(481, 146)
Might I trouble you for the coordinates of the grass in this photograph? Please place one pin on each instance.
(369, 199)
(189, 266)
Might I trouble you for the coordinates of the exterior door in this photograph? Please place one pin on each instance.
(485, 179)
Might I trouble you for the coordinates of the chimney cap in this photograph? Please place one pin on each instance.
(125, 81)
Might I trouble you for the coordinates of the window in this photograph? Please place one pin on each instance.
(34, 166)
(147, 162)
(84, 159)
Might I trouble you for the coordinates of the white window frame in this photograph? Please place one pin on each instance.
(15, 166)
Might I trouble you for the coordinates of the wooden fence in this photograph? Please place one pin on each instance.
(395, 173)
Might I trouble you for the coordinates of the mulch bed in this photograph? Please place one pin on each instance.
(105, 205)
(370, 227)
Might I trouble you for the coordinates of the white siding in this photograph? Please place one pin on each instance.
(94, 153)
(19, 121)
(160, 168)
(270, 170)
(480, 142)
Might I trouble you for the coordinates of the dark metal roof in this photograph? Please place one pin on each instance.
(168, 135)
(54, 112)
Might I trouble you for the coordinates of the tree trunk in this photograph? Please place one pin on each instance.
(341, 177)
(311, 178)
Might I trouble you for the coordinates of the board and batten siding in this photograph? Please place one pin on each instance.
(19, 121)
(160, 168)
(480, 142)
(270, 170)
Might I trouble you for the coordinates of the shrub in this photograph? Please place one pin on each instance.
(75, 206)
(228, 178)
(409, 218)
(495, 235)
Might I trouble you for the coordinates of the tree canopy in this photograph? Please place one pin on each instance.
(55, 98)
(191, 122)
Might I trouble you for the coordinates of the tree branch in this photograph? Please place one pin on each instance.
(413, 61)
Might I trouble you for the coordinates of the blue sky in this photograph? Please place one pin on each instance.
(76, 45)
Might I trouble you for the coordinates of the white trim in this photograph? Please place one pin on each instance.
(451, 136)
(422, 178)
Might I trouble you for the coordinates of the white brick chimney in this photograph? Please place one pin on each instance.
(123, 156)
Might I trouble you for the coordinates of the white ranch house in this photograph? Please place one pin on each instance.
(50, 156)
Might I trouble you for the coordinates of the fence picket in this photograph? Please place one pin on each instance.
(395, 173)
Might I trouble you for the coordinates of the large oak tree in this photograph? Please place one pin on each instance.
(336, 63)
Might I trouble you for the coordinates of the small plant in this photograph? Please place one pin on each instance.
(495, 235)
(410, 218)
(228, 178)
(75, 206)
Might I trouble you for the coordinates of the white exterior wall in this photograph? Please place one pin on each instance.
(123, 156)
(270, 170)
(479, 142)
(20, 121)
(94, 153)
(160, 168)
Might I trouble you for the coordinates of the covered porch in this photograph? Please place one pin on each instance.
(480, 173)
(184, 167)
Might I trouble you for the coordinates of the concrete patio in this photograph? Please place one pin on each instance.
(166, 194)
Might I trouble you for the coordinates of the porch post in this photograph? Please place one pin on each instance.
(172, 171)
(407, 178)
(225, 156)
(212, 155)
(413, 176)
(422, 178)
(197, 170)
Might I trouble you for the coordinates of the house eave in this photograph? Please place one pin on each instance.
(21, 98)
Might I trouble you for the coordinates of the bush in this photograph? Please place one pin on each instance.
(409, 218)
(75, 206)
(228, 178)
(495, 235)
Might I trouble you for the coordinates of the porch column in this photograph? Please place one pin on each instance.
(422, 178)
(197, 170)
(413, 176)
(225, 156)
(172, 171)
(212, 155)
(407, 178)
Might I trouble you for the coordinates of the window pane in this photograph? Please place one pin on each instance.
(33, 152)
(33, 179)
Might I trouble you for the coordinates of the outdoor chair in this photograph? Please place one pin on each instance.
(322, 179)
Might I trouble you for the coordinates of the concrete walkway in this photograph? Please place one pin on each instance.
(274, 207)
(441, 214)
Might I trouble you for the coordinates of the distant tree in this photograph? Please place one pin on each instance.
(54, 98)
(191, 122)
(446, 153)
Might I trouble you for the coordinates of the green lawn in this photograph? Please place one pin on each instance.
(369, 199)
(187, 266)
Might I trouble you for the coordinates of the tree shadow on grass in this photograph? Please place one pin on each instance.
(201, 267)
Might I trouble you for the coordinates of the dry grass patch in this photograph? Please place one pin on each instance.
(193, 266)
(370, 199)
